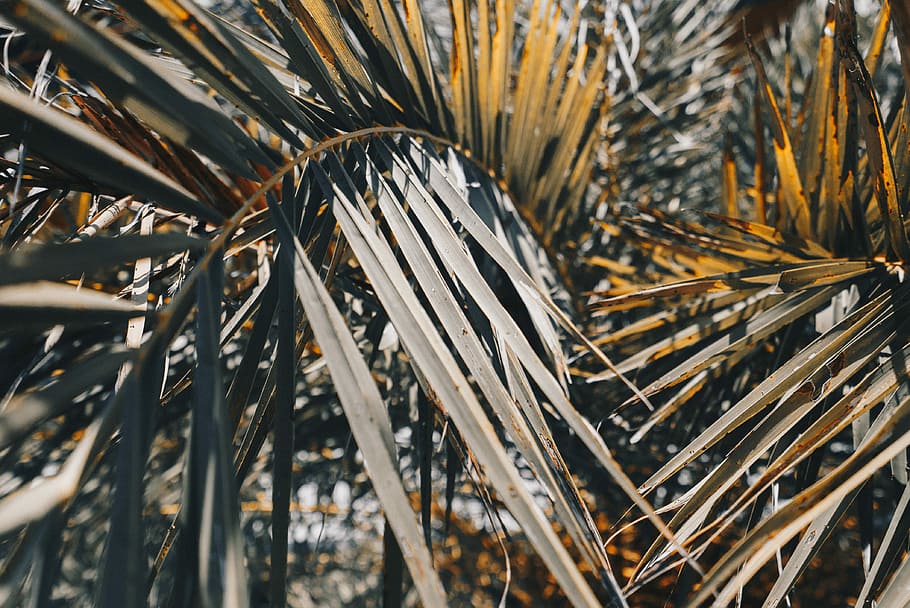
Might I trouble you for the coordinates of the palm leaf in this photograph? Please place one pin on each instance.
(790, 389)
(341, 132)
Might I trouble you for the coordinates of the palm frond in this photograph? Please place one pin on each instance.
(327, 183)
(793, 324)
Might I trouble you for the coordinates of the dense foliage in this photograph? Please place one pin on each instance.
(240, 240)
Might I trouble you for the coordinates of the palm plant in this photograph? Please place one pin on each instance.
(227, 234)
(774, 345)
(306, 195)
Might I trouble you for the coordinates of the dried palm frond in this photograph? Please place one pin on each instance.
(768, 345)
(304, 193)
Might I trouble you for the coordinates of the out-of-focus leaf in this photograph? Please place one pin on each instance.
(39, 304)
(175, 110)
(283, 416)
(879, 34)
(64, 139)
(16, 567)
(392, 568)
(219, 57)
(213, 545)
(811, 152)
(245, 374)
(32, 263)
(137, 402)
(27, 410)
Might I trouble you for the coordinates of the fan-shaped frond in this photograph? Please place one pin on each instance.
(300, 191)
(782, 337)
